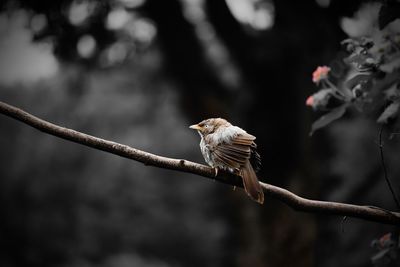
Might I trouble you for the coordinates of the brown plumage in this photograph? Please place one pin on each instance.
(229, 147)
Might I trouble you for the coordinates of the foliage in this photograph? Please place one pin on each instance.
(388, 250)
(366, 79)
(370, 82)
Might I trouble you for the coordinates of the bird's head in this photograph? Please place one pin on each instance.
(209, 126)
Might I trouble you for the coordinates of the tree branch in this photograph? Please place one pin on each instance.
(298, 203)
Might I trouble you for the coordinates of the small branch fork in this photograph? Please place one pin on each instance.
(294, 201)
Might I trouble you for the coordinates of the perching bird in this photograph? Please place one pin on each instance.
(231, 148)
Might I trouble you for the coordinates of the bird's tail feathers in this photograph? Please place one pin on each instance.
(251, 184)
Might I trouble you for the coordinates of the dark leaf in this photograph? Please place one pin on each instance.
(388, 12)
(389, 112)
(391, 66)
(328, 118)
(378, 256)
(392, 93)
(358, 79)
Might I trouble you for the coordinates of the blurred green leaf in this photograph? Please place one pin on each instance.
(328, 118)
(392, 93)
(389, 112)
(392, 65)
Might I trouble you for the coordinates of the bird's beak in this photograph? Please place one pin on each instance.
(196, 127)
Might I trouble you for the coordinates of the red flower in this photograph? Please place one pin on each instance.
(310, 101)
(320, 73)
(385, 239)
(320, 99)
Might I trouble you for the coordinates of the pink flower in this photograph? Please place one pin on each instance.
(385, 239)
(320, 73)
(310, 101)
(320, 99)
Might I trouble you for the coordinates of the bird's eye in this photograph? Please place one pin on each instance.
(206, 126)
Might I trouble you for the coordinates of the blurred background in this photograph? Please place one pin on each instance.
(139, 72)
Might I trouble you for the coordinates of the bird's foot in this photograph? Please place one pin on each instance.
(215, 172)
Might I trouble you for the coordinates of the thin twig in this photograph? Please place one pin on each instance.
(385, 169)
(294, 201)
(342, 224)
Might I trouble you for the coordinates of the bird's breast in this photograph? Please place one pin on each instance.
(207, 152)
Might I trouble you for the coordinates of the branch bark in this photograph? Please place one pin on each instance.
(368, 213)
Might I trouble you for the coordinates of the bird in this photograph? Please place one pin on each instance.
(228, 147)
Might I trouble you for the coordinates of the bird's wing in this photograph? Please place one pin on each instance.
(235, 153)
(255, 158)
